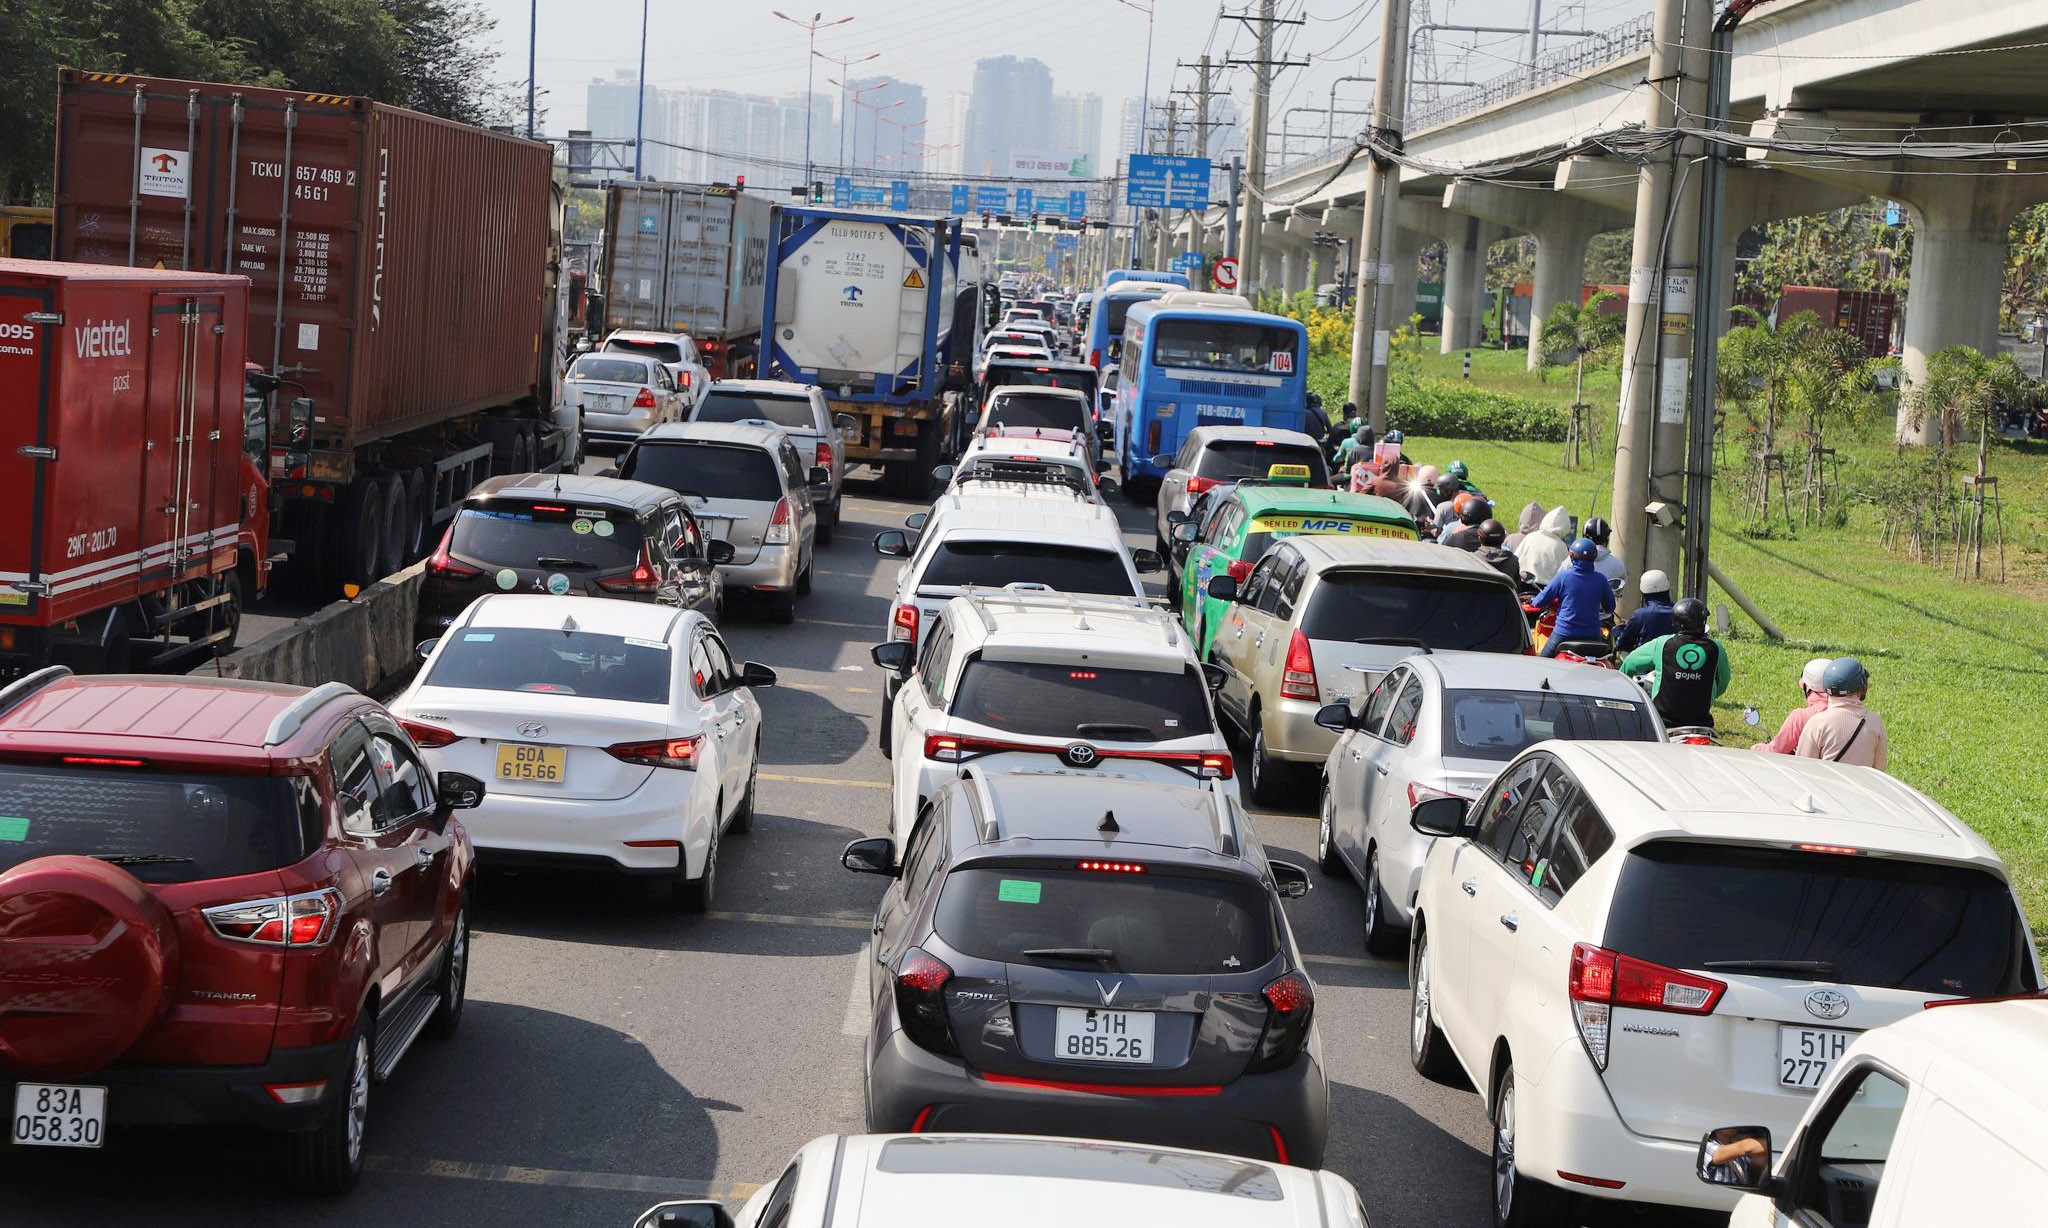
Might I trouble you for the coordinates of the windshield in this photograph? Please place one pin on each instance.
(596, 367)
(1498, 724)
(1024, 409)
(1820, 916)
(992, 564)
(566, 535)
(1442, 611)
(1155, 923)
(1222, 345)
(659, 351)
(1117, 306)
(715, 471)
(554, 662)
(794, 411)
(1249, 458)
(202, 826)
(1064, 701)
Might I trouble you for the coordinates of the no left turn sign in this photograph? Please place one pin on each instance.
(1225, 273)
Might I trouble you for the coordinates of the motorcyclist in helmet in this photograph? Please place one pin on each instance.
(1460, 471)
(1687, 669)
(1317, 422)
(1418, 497)
(1473, 511)
(1846, 731)
(1652, 618)
(1449, 496)
(1491, 534)
(1582, 597)
(1599, 531)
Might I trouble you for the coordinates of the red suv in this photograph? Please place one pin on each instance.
(220, 902)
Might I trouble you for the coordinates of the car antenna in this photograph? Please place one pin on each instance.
(1108, 823)
(569, 626)
(1545, 685)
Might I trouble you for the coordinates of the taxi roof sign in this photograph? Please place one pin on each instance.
(1289, 473)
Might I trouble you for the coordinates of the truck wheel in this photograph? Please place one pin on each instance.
(397, 512)
(356, 536)
(929, 445)
(228, 617)
(419, 514)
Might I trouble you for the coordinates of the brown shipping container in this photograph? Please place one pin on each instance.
(415, 252)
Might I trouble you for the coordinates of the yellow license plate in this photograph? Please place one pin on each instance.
(541, 765)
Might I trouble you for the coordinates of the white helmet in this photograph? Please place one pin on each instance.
(1813, 677)
(1655, 581)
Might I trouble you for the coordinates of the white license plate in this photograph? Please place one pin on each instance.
(1805, 1054)
(603, 404)
(59, 1115)
(1084, 1034)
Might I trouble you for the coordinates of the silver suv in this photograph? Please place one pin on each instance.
(800, 412)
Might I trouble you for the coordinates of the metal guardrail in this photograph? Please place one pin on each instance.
(1573, 60)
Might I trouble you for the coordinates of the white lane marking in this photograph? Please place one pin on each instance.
(855, 1021)
(677, 1187)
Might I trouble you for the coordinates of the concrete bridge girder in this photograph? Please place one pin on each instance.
(1562, 227)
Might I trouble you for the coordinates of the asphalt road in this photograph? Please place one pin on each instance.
(615, 1054)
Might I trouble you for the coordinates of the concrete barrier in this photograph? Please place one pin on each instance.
(365, 643)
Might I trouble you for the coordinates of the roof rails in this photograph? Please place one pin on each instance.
(1023, 473)
(289, 721)
(1080, 605)
(22, 689)
(1228, 842)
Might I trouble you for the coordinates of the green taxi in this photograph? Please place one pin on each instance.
(1236, 531)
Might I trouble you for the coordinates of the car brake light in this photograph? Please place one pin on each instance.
(1111, 867)
(1298, 676)
(1601, 980)
(642, 579)
(2031, 995)
(296, 1093)
(1840, 850)
(683, 379)
(1152, 437)
(428, 737)
(661, 752)
(1291, 1004)
(824, 457)
(1418, 794)
(903, 623)
(959, 748)
(442, 564)
(921, 1001)
(304, 920)
(1240, 569)
(779, 524)
(99, 761)
(1197, 485)
(645, 400)
(1095, 359)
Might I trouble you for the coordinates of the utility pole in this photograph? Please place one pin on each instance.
(1374, 315)
(1262, 67)
(1202, 124)
(1163, 240)
(1665, 292)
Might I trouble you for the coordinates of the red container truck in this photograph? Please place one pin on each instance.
(125, 488)
(405, 289)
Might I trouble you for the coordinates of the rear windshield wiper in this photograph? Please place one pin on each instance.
(556, 560)
(1093, 954)
(140, 859)
(1811, 967)
(1101, 728)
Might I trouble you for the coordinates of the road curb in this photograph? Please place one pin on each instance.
(365, 642)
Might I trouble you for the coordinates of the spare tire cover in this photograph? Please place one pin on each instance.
(85, 955)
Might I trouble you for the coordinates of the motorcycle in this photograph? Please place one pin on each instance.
(1588, 652)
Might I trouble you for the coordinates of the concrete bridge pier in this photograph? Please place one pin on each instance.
(1562, 227)
(1465, 282)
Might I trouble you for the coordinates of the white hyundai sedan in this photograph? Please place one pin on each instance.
(615, 736)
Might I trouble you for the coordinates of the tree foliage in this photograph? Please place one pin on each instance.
(1964, 391)
(1848, 249)
(431, 55)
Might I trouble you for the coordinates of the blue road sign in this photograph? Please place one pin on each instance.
(1077, 204)
(1187, 262)
(992, 199)
(960, 200)
(1026, 202)
(1066, 242)
(899, 195)
(1159, 181)
(870, 195)
(842, 191)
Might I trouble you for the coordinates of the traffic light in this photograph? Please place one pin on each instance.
(739, 183)
(817, 191)
(1034, 221)
(985, 218)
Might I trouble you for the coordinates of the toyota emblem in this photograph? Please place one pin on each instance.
(1080, 755)
(533, 729)
(1827, 1004)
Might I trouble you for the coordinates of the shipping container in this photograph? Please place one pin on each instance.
(404, 274)
(693, 259)
(128, 495)
(1863, 314)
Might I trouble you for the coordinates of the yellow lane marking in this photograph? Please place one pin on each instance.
(512, 1174)
(825, 780)
(821, 686)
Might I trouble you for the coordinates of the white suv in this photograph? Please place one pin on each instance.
(1081, 679)
(1626, 944)
(1029, 456)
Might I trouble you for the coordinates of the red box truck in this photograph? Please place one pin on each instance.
(125, 488)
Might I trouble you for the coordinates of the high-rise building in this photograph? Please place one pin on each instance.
(1011, 112)
(1130, 117)
(885, 117)
(614, 112)
(1076, 127)
(952, 138)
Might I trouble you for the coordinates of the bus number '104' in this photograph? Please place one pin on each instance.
(78, 545)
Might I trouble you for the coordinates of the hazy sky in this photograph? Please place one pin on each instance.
(1092, 46)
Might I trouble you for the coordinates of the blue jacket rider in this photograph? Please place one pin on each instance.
(1581, 594)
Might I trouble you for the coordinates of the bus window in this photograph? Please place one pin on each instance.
(1218, 345)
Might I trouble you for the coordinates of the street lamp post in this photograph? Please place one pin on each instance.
(640, 102)
(532, 51)
(845, 64)
(815, 24)
(1144, 111)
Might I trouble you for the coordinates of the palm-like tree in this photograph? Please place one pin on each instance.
(1964, 390)
(1578, 333)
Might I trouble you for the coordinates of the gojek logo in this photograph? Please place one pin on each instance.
(1691, 656)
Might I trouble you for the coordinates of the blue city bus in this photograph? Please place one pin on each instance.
(1106, 315)
(1184, 365)
(1176, 280)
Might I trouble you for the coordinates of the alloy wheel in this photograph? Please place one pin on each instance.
(1504, 1153)
(1418, 1024)
(358, 1099)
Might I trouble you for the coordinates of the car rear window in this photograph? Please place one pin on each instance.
(1068, 701)
(659, 351)
(1870, 921)
(1076, 1160)
(716, 471)
(553, 536)
(1155, 923)
(993, 564)
(610, 370)
(548, 660)
(1025, 409)
(162, 827)
(1442, 611)
(1018, 374)
(1498, 724)
(743, 406)
(1245, 458)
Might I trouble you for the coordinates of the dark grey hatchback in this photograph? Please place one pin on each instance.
(1074, 952)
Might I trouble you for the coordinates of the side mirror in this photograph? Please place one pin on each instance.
(458, 791)
(917, 520)
(1751, 717)
(1175, 515)
(1160, 460)
(1147, 560)
(1440, 816)
(1334, 717)
(1737, 1156)
(609, 471)
(893, 656)
(943, 475)
(718, 551)
(893, 542)
(755, 674)
(426, 648)
(1107, 485)
(820, 476)
(874, 855)
(1291, 880)
(1213, 675)
(1222, 588)
(1101, 465)
(1106, 431)
(298, 424)
(844, 423)
(699, 1214)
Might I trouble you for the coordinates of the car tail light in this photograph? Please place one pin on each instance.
(441, 564)
(2031, 995)
(1418, 794)
(1603, 979)
(824, 458)
(921, 1001)
(1290, 1008)
(1298, 677)
(645, 400)
(642, 579)
(100, 761)
(1111, 867)
(780, 524)
(661, 752)
(1197, 485)
(1152, 438)
(304, 920)
(428, 737)
(903, 623)
(1095, 359)
(683, 379)
(1240, 570)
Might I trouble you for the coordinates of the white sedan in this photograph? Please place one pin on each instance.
(615, 736)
